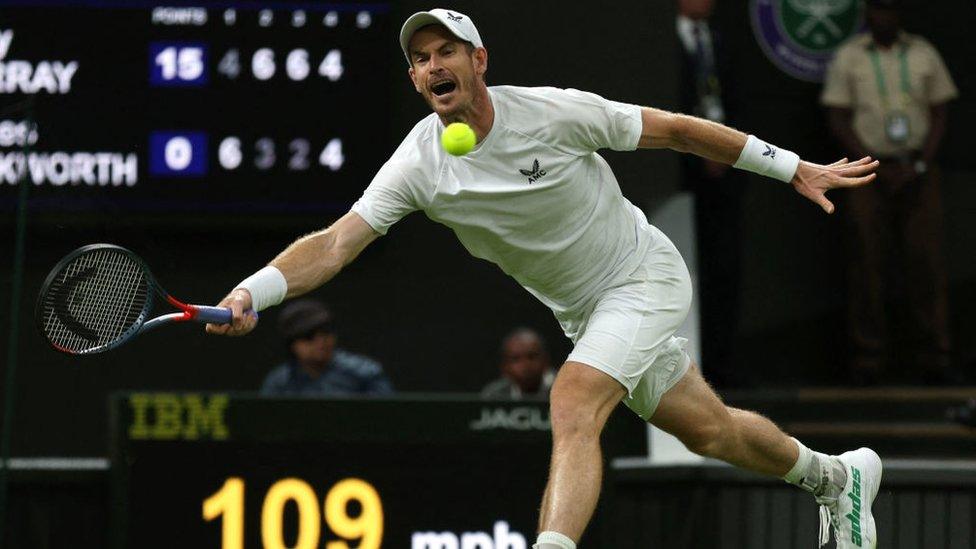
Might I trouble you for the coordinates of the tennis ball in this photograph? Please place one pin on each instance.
(458, 139)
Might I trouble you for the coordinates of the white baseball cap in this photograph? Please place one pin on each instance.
(459, 24)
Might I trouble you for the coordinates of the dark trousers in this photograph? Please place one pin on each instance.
(896, 258)
(718, 222)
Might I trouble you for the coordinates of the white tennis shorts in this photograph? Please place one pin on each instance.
(628, 332)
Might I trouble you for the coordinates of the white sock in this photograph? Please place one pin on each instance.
(797, 474)
(817, 473)
(553, 540)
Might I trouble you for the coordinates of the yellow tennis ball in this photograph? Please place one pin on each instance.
(458, 139)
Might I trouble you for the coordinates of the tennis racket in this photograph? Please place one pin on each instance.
(100, 296)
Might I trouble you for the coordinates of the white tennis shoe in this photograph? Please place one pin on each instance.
(850, 513)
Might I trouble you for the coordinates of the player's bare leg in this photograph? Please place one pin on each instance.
(693, 412)
(580, 403)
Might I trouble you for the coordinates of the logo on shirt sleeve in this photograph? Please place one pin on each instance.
(535, 174)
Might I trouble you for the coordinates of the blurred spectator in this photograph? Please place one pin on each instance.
(316, 367)
(717, 189)
(886, 93)
(525, 366)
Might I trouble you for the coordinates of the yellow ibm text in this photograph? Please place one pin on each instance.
(367, 526)
(170, 416)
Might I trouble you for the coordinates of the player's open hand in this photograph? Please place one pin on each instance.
(813, 180)
(239, 302)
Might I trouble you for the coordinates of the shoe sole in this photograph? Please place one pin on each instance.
(870, 462)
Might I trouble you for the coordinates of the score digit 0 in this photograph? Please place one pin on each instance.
(367, 526)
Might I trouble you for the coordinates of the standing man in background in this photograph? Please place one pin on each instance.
(717, 190)
(886, 93)
(526, 369)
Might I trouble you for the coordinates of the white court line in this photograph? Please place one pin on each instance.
(57, 464)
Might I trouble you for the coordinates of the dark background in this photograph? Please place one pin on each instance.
(416, 301)
(793, 287)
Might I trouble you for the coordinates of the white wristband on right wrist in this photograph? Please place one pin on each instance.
(769, 160)
(267, 288)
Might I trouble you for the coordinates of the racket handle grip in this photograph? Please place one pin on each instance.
(213, 315)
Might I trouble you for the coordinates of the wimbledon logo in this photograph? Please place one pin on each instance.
(800, 36)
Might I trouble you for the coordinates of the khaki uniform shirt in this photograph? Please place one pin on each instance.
(852, 83)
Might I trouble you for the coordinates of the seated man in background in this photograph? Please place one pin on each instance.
(316, 367)
(525, 366)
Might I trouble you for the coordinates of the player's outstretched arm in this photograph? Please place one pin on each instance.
(662, 129)
(314, 259)
(306, 264)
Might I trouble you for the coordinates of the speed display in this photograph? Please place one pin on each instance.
(427, 471)
(224, 107)
(233, 472)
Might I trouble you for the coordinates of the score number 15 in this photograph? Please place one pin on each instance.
(228, 502)
(178, 64)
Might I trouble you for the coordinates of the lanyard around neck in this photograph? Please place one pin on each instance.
(880, 77)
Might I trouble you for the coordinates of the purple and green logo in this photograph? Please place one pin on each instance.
(800, 36)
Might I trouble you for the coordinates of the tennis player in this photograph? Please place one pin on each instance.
(536, 199)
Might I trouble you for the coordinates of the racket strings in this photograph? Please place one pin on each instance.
(95, 300)
(102, 298)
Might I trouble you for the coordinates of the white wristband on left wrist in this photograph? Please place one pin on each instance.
(765, 159)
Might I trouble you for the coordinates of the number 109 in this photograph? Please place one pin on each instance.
(367, 526)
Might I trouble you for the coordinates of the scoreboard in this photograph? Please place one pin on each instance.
(224, 107)
(405, 472)
(232, 472)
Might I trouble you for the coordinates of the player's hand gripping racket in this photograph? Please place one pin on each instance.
(100, 296)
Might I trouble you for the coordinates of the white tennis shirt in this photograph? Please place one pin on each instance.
(533, 197)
